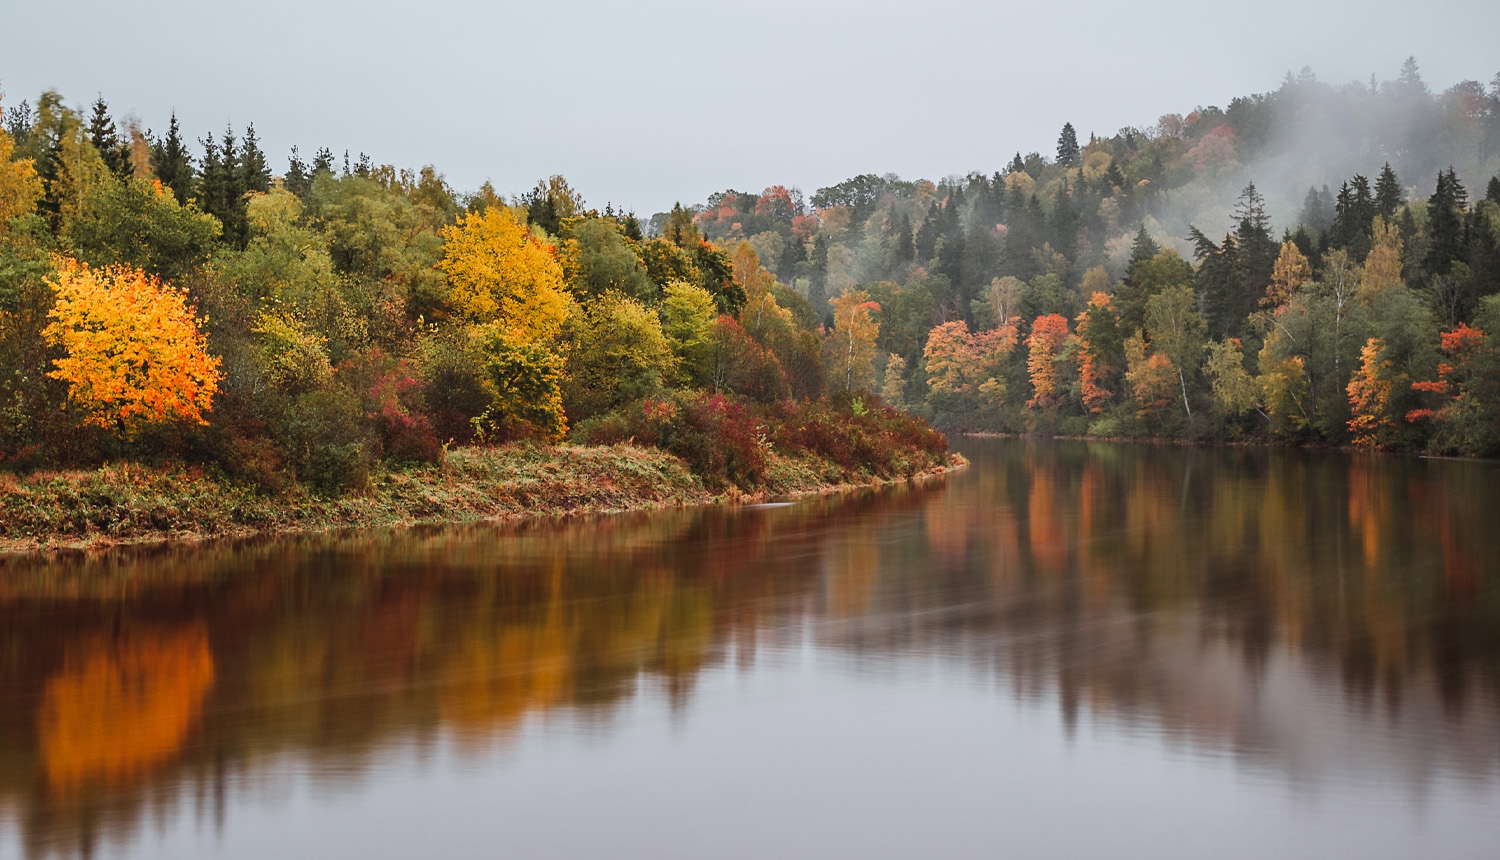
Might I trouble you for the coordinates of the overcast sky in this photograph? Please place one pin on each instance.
(649, 102)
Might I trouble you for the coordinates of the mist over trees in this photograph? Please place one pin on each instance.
(1301, 266)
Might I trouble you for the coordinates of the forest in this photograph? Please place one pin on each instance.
(1313, 266)
(1200, 279)
(298, 333)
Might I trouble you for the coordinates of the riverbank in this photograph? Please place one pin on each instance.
(129, 503)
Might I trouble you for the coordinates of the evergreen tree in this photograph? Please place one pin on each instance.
(221, 190)
(1067, 146)
(298, 179)
(172, 164)
(906, 249)
(18, 123)
(1492, 192)
(106, 139)
(1016, 164)
(1317, 210)
(1257, 250)
(255, 174)
(1142, 250)
(1220, 284)
(323, 162)
(1065, 222)
(1388, 193)
(817, 292)
(1446, 209)
(927, 234)
(795, 253)
(1353, 212)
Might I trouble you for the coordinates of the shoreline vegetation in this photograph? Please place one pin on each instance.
(129, 503)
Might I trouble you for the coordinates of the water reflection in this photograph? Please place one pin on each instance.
(1317, 617)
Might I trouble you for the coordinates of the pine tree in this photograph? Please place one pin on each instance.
(1492, 193)
(1388, 193)
(1017, 165)
(106, 139)
(1067, 146)
(1142, 250)
(172, 164)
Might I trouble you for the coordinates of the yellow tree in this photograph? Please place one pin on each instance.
(1370, 398)
(20, 188)
(1382, 269)
(501, 274)
(135, 356)
(851, 344)
(1290, 272)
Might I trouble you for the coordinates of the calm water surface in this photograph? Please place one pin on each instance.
(1067, 650)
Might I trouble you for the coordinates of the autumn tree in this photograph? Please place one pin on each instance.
(1290, 273)
(1176, 331)
(688, 313)
(1372, 425)
(1150, 378)
(502, 274)
(616, 352)
(1044, 347)
(524, 382)
(20, 188)
(134, 355)
(1234, 390)
(1100, 352)
(1463, 399)
(850, 346)
(1382, 270)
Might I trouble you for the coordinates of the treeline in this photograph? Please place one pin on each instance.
(165, 301)
(1087, 294)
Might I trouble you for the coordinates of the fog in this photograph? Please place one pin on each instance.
(661, 100)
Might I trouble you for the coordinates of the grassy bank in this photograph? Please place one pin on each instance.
(132, 503)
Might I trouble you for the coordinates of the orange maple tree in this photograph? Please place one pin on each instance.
(135, 356)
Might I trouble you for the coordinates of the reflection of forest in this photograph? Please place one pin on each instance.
(1314, 613)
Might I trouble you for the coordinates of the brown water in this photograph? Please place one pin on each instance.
(1067, 650)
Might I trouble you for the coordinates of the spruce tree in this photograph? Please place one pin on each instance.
(1446, 210)
(298, 179)
(1067, 146)
(255, 174)
(106, 139)
(1142, 250)
(172, 164)
(1257, 249)
(323, 162)
(1388, 193)
(1016, 164)
(1492, 193)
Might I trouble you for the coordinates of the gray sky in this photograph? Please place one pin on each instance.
(649, 102)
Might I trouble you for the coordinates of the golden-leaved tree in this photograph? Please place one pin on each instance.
(20, 188)
(501, 273)
(850, 347)
(135, 355)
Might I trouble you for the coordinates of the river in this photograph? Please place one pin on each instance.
(1066, 650)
